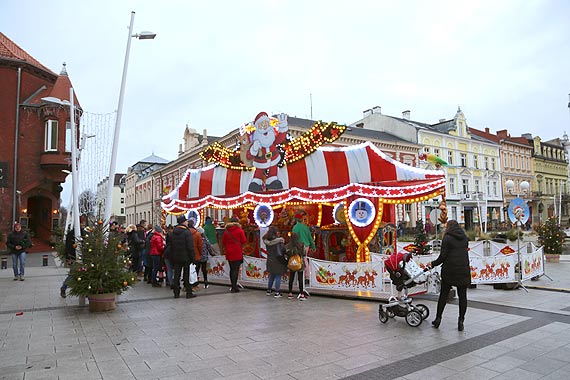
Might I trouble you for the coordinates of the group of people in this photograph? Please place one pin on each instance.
(152, 251)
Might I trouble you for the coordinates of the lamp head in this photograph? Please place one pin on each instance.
(524, 186)
(510, 185)
(146, 35)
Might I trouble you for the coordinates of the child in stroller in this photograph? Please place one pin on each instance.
(404, 273)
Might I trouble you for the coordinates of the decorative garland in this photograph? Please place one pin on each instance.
(291, 151)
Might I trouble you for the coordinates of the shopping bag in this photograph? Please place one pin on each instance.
(193, 275)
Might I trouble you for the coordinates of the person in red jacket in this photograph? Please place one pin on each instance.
(156, 251)
(233, 239)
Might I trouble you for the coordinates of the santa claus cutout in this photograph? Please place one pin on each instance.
(263, 151)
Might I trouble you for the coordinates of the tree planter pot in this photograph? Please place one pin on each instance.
(102, 302)
(552, 258)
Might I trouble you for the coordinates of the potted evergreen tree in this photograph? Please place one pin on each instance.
(102, 272)
(551, 237)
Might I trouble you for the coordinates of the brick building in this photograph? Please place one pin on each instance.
(36, 141)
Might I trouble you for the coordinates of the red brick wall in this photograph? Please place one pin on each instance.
(32, 180)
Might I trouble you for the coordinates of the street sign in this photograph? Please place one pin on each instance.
(519, 207)
(434, 216)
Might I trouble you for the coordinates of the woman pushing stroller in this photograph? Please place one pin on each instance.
(455, 271)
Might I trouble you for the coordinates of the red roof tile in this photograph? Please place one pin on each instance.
(8, 49)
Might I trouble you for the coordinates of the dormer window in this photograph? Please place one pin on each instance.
(50, 136)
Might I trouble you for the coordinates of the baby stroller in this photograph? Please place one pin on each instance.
(404, 273)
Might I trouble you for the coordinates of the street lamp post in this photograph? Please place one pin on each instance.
(112, 166)
(523, 188)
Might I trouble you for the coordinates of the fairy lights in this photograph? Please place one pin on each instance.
(293, 150)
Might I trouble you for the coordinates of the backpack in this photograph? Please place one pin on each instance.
(206, 249)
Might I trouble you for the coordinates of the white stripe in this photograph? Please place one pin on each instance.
(219, 181)
(283, 175)
(194, 183)
(317, 169)
(245, 179)
(358, 166)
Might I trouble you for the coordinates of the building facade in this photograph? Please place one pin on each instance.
(118, 205)
(35, 131)
(550, 168)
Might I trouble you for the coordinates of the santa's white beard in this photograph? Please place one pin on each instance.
(266, 140)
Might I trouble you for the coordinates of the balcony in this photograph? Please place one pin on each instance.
(53, 163)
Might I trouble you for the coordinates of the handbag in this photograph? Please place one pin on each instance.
(295, 262)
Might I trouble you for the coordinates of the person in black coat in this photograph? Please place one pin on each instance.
(276, 264)
(182, 254)
(455, 270)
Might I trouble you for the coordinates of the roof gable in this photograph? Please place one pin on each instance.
(10, 50)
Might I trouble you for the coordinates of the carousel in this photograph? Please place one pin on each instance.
(346, 195)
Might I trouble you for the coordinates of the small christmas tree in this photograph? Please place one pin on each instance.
(103, 267)
(421, 241)
(550, 236)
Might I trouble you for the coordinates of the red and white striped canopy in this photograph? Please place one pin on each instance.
(328, 174)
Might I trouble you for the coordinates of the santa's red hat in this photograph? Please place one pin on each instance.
(260, 117)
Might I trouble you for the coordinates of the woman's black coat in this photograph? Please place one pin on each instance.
(454, 258)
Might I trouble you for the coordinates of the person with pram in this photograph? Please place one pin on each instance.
(455, 271)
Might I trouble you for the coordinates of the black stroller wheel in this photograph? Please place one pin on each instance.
(414, 318)
(382, 315)
(423, 309)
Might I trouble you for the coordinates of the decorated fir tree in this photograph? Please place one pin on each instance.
(103, 267)
(550, 236)
(421, 241)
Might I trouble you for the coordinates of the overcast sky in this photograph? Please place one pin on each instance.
(215, 64)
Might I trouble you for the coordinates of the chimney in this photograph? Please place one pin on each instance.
(377, 110)
(487, 130)
(502, 134)
(367, 113)
(406, 115)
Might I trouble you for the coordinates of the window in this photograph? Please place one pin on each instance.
(506, 163)
(122, 190)
(476, 161)
(426, 149)
(436, 151)
(463, 160)
(465, 186)
(122, 200)
(454, 212)
(493, 163)
(452, 185)
(495, 188)
(67, 136)
(486, 163)
(477, 186)
(51, 136)
(122, 210)
(450, 158)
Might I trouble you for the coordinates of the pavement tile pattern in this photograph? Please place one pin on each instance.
(218, 335)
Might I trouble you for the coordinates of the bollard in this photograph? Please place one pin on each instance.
(4, 263)
(45, 260)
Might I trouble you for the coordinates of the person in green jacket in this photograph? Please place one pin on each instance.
(211, 234)
(304, 233)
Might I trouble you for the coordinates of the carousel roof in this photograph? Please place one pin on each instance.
(327, 175)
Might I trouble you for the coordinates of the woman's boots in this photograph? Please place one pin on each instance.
(437, 321)
(460, 326)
